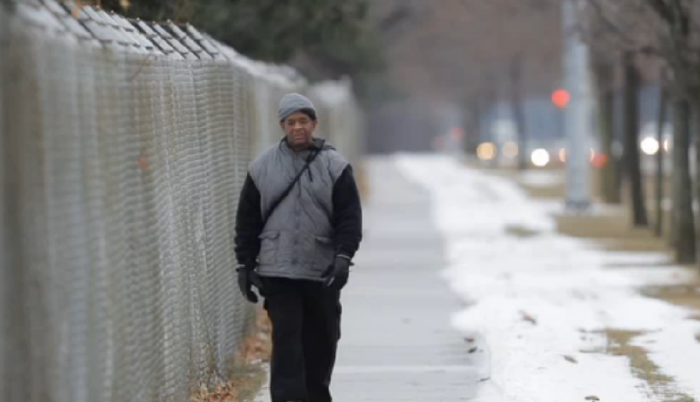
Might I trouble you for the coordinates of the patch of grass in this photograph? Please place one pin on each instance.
(250, 375)
(620, 344)
(248, 378)
(687, 295)
(247, 370)
(613, 231)
(258, 346)
(521, 232)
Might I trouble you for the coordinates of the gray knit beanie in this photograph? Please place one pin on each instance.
(294, 102)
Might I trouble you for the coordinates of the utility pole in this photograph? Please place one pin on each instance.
(578, 114)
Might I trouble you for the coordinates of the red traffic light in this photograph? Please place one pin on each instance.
(561, 98)
(599, 160)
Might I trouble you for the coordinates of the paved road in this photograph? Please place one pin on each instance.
(397, 342)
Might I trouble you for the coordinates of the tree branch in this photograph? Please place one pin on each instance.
(614, 28)
(662, 9)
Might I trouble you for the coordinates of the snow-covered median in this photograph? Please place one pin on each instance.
(544, 303)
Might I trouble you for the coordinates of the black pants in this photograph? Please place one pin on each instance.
(305, 332)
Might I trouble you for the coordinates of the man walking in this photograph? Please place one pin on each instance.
(298, 226)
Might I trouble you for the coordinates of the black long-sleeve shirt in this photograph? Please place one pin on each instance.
(346, 220)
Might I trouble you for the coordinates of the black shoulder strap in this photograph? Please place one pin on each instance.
(289, 188)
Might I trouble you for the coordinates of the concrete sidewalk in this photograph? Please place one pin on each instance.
(397, 342)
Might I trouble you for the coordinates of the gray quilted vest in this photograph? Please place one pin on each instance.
(297, 240)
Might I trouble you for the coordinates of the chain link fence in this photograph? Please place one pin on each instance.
(124, 145)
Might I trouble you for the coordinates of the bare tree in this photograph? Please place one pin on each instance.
(684, 239)
(478, 54)
(602, 71)
(667, 30)
(523, 59)
(631, 133)
(516, 98)
(661, 122)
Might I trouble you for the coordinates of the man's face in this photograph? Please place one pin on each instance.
(299, 128)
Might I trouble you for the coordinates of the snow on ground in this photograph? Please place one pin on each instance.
(541, 300)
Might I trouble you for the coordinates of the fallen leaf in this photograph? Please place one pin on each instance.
(570, 359)
(472, 350)
(592, 398)
(527, 317)
(470, 340)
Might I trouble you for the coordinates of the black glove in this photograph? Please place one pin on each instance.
(247, 278)
(336, 275)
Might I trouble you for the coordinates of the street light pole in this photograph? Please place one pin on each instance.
(578, 113)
